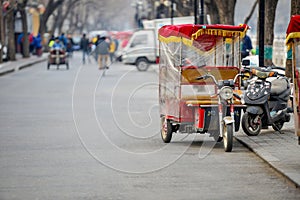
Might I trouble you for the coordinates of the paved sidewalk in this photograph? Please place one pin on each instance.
(280, 151)
(20, 63)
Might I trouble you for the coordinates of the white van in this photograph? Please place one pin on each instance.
(142, 48)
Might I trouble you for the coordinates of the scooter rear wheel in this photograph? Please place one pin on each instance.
(277, 126)
(250, 127)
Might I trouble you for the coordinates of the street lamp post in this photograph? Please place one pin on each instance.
(261, 32)
(201, 11)
(195, 11)
(172, 12)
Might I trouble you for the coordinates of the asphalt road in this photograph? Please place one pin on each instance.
(74, 134)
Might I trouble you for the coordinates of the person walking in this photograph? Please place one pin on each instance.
(102, 51)
(246, 46)
(112, 50)
(63, 39)
(84, 46)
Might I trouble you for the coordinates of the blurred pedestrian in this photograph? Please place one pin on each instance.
(57, 44)
(63, 39)
(97, 40)
(84, 46)
(70, 44)
(246, 46)
(51, 41)
(112, 49)
(38, 45)
(102, 50)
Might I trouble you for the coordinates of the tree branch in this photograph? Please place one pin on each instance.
(251, 12)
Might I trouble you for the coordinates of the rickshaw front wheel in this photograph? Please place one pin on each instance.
(228, 137)
(166, 130)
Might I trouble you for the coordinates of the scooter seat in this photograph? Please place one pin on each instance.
(279, 86)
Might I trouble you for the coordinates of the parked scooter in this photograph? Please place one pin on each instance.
(266, 100)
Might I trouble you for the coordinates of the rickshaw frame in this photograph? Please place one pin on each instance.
(196, 113)
(58, 56)
(293, 46)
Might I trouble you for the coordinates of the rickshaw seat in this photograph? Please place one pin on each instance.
(204, 100)
(190, 73)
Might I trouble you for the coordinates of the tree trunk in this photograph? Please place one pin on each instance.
(295, 7)
(270, 11)
(247, 19)
(11, 32)
(1, 34)
(50, 8)
(213, 11)
(26, 52)
(226, 11)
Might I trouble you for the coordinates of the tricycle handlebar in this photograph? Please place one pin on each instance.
(206, 76)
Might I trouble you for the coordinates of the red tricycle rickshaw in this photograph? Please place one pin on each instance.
(199, 80)
(58, 56)
(293, 44)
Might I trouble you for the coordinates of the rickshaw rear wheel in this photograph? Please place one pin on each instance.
(48, 66)
(67, 65)
(228, 137)
(166, 130)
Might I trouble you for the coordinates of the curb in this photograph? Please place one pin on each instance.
(268, 158)
(16, 66)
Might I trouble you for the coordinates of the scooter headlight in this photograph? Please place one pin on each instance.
(226, 93)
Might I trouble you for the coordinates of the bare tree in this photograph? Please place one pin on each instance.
(11, 30)
(212, 10)
(295, 7)
(64, 12)
(21, 9)
(270, 6)
(251, 12)
(226, 11)
(50, 8)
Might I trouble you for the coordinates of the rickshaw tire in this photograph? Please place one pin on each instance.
(228, 138)
(48, 66)
(245, 125)
(166, 137)
(67, 65)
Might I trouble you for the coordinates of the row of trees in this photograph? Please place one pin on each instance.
(83, 15)
(58, 16)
